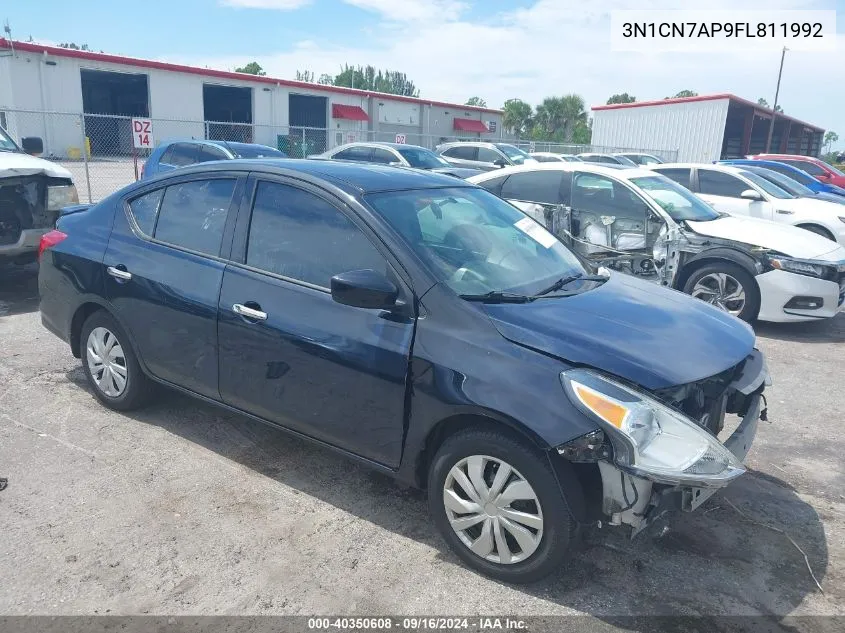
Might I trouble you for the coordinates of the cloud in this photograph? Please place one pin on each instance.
(555, 47)
(280, 5)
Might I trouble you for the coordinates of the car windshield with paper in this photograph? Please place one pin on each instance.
(477, 243)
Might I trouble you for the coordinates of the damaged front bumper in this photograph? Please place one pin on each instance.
(638, 501)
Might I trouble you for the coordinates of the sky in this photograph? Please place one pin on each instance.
(451, 49)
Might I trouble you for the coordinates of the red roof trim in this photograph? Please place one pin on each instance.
(349, 112)
(731, 97)
(470, 125)
(221, 74)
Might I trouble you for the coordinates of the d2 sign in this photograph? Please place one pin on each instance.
(142, 134)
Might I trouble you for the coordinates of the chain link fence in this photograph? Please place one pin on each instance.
(99, 152)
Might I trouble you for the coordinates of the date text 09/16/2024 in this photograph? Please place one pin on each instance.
(417, 623)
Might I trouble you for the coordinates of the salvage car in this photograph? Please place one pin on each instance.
(396, 154)
(32, 190)
(740, 191)
(483, 155)
(647, 225)
(418, 324)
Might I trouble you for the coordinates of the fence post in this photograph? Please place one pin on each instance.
(85, 156)
(304, 155)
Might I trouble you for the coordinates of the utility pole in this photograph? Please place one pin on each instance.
(775, 107)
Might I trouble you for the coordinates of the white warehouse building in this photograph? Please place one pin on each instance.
(703, 128)
(99, 93)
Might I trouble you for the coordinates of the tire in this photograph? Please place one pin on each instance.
(100, 331)
(707, 277)
(818, 230)
(551, 536)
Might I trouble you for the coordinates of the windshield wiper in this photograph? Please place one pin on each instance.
(565, 281)
(498, 296)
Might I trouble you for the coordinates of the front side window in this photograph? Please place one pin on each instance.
(769, 187)
(193, 214)
(534, 186)
(805, 165)
(717, 183)
(6, 142)
(208, 153)
(383, 156)
(487, 155)
(462, 152)
(298, 235)
(784, 182)
(674, 199)
(679, 175)
(475, 242)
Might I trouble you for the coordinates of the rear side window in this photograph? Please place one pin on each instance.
(716, 183)
(193, 214)
(298, 235)
(465, 152)
(145, 209)
(487, 155)
(680, 176)
(383, 156)
(534, 186)
(180, 154)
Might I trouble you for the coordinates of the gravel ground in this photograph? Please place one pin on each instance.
(182, 508)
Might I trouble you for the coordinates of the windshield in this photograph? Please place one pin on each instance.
(6, 142)
(257, 152)
(784, 182)
(767, 186)
(421, 158)
(475, 242)
(674, 199)
(516, 155)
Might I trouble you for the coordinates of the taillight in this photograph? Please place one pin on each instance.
(48, 240)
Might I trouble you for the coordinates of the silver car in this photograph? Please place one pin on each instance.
(396, 154)
(483, 155)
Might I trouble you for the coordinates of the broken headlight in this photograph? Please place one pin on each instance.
(650, 439)
(60, 196)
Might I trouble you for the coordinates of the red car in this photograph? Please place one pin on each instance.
(818, 169)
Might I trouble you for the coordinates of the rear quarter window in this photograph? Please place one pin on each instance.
(145, 209)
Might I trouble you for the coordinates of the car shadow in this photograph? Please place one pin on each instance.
(823, 331)
(721, 559)
(18, 289)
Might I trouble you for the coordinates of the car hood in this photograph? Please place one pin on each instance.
(785, 239)
(634, 329)
(18, 164)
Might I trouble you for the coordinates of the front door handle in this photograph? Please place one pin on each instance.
(249, 313)
(117, 273)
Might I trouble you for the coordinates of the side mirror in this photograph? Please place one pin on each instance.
(500, 162)
(364, 289)
(750, 194)
(32, 145)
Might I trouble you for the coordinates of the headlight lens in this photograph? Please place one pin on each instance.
(794, 266)
(59, 196)
(650, 439)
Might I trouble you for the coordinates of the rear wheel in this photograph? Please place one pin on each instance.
(726, 286)
(498, 505)
(110, 364)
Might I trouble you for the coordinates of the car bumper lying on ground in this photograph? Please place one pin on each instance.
(789, 297)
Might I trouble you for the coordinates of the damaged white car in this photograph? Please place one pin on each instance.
(32, 191)
(640, 222)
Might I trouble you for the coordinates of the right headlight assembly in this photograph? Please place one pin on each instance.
(650, 439)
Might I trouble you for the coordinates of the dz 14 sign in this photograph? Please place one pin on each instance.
(142, 134)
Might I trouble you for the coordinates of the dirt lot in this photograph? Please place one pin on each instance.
(184, 509)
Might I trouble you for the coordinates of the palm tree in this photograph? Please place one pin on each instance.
(558, 116)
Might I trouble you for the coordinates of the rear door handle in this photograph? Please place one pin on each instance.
(117, 273)
(249, 313)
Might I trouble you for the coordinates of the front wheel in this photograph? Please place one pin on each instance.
(726, 286)
(499, 507)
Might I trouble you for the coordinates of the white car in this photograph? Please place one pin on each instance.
(642, 223)
(740, 191)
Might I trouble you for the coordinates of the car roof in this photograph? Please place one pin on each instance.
(225, 144)
(353, 177)
(618, 171)
(750, 162)
(377, 144)
(484, 143)
(730, 169)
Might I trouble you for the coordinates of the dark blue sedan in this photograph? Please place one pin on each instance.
(421, 325)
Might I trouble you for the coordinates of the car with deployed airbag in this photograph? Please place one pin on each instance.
(422, 326)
